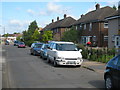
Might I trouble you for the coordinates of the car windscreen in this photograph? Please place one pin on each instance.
(22, 43)
(38, 45)
(46, 46)
(66, 47)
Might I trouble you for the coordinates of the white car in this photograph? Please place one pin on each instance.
(64, 53)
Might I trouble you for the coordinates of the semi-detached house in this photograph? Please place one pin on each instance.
(60, 26)
(93, 26)
(114, 29)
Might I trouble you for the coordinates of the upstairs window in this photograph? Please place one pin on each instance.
(80, 26)
(90, 27)
(84, 26)
(105, 25)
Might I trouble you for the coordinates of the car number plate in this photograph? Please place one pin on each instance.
(70, 62)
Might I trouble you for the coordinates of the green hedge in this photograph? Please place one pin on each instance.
(99, 55)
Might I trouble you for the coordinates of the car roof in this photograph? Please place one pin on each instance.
(38, 43)
(61, 42)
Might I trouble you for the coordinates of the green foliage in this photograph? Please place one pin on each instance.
(100, 55)
(114, 7)
(36, 35)
(19, 38)
(47, 36)
(31, 34)
(6, 35)
(71, 35)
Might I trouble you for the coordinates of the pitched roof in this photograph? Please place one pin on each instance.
(96, 15)
(66, 22)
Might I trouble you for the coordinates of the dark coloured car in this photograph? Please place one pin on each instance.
(6, 43)
(36, 48)
(21, 45)
(112, 73)
(16, 43)
(43, 52)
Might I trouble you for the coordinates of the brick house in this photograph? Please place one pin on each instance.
(93, 26)
(60, 26)
(114, 29)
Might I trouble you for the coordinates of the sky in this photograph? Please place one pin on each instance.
(16, 15)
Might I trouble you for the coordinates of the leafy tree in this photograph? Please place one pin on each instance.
(36, 35)
(29, 35)
(114, 7)
(47, 36)
(71, 35)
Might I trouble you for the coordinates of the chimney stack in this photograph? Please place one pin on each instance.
(82, 15)
(97, 6)
(65, 15)
(52, 20)
(57, 18)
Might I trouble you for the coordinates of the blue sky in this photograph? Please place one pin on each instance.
(16, 16)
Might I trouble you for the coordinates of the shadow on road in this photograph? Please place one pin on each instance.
(97, 84)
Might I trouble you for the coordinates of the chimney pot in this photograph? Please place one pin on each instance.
(97, 6)
(65, 15)
(57, 18)
(82, 15)
(52, 20)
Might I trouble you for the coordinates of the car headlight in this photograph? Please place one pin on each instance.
(61, 59)
(79, 58)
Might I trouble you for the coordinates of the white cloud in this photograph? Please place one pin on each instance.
(54, 8)
(31, 12)
(16, 26)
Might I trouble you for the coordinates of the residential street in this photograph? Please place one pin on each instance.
(22, 70)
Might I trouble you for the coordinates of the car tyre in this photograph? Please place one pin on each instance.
(48, 60)
(55, 63)
(108, 82)
(34, 53)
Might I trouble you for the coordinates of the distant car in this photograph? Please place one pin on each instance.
(6, 43)
(43, 52)
(35, 48)
(112, 73)
(16, 43)
(21, 45)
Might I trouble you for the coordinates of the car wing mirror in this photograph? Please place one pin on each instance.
(80, 50)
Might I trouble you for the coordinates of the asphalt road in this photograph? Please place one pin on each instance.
(22, 70)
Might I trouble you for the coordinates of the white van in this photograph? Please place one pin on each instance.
(64, 53)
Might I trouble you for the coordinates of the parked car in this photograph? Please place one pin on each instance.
(6, 42)
(16, 43)
(43, 52)
(21, 45)
(112, 73)
(35, 48)
(64, 53)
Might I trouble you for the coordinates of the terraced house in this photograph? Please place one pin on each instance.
(60, 26)
(93, 26)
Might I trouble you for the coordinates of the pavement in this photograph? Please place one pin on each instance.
(94, 66)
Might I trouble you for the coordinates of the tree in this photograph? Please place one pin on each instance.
(71, 35)
(47, 36)
(36, 35)
(114, 7)
(29, 36)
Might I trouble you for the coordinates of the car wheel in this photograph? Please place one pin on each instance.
(48, 60)
(34, 53)
(55, 63)
(108, 82)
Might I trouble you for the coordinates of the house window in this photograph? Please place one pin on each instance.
(90, 28)
(76, 27)
(105, 25)
(94, 38)
(113, 38)
(84, 26)
(105, 38)
(80, 26)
